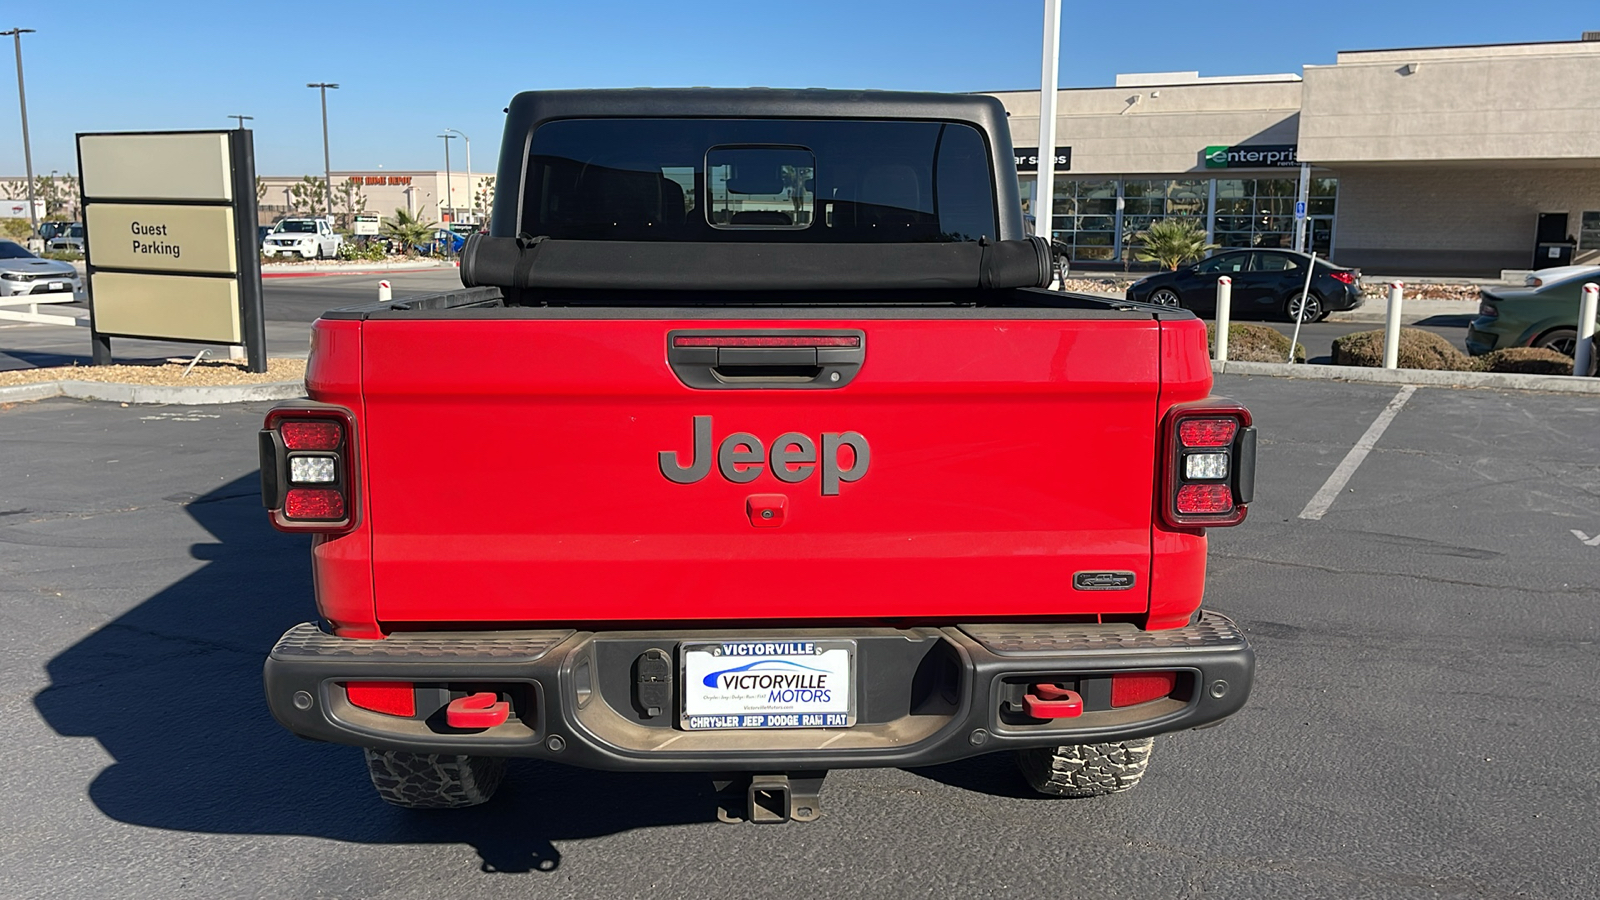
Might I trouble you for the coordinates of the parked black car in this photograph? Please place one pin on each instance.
(1265, 282)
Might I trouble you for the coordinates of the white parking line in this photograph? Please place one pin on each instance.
(1330, 489)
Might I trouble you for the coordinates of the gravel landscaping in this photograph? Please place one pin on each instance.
(170, 373)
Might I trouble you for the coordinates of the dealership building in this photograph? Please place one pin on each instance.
(1423, 161)
(434, 196)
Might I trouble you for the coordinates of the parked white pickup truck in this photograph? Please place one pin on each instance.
(307, 238)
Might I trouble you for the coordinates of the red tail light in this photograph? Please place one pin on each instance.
(1208, 459)
(313, 503)
(1207, 432)
(308, 468)
(1346, 277)
(311, 435)
(1133, 688)
(1202, 499)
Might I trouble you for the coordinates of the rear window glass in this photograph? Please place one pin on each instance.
(772, 180)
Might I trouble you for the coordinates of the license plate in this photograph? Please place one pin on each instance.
(768, 684)
(57, 286)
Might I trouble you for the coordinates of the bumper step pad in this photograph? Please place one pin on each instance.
(307, 641)
(1210, 631)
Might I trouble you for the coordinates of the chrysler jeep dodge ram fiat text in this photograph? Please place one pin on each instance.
(752, 446)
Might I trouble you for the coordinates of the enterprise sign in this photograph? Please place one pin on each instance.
(1252, 156)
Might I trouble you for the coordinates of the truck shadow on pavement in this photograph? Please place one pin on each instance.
(172, 690)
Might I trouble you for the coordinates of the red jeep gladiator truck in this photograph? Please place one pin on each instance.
(752, 446)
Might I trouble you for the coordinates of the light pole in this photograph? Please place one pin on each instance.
(472, 203)
(327, 167)
(449, 193)
(242, 119)
(1044, 212)
(22, 99)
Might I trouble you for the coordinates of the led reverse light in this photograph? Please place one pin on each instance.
(311, 469)
(1202, 466)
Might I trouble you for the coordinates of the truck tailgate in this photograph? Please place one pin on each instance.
(515, 471)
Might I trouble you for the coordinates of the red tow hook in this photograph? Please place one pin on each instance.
(484, 709)
(1046, 701)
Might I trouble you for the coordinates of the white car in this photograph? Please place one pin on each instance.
(1551, 275)
(68, 240)
(305, 238)
(23, 274)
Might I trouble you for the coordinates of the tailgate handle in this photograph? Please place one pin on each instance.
(766, 358)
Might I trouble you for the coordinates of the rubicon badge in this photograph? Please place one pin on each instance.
(841, 457)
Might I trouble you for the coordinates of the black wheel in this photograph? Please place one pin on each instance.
(1561, 340)
(1310, 312)
(1165, 297)
(433, 781)
(1565, 341)
(1086, 770)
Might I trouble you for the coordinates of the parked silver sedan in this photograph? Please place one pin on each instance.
(23, 273)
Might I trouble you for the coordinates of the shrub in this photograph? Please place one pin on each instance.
(1526, 361)
(1254, 343)
(16, 229)
(1418, 350)
(1172, 242)
(368, 251)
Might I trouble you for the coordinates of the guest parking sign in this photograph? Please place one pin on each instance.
(170, 239)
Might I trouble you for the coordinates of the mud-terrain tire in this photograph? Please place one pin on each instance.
(433, 781)
(1086, 770)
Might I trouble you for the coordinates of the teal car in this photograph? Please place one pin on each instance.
(1542, 314)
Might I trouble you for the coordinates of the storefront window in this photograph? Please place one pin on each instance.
(1250, 212)
(1256, 212)
(1086, 217)
(1589, 231)
(1148, 201)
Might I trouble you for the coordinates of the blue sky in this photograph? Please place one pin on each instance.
(409, 70)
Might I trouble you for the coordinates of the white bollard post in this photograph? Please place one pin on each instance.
(1583, 353)
(1224, 314)
(384, 294)
(1391, 326)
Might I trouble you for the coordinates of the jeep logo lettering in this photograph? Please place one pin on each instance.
(741, 456)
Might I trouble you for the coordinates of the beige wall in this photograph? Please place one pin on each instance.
(1112, 133)
(1518, 102)
(1443, 219)
(421, 196)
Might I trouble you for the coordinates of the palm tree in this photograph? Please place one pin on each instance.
(1173, 242)
(407, 230)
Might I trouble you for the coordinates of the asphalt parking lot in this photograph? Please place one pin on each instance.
(1422, 725)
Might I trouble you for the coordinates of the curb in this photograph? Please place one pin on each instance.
(1559, 384)
(114, 392)
(309, 271)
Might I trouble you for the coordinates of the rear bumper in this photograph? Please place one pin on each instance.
(1482, 336)
(925, 695)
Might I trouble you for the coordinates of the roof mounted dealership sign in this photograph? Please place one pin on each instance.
(1252, 156)
(170, 239)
